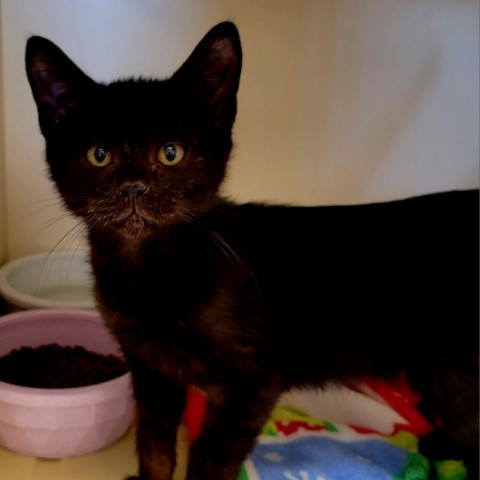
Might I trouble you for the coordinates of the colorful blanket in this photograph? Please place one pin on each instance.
(295, 446)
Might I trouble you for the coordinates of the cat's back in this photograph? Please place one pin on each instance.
(446, 219)
(370, 278)
(400, 260)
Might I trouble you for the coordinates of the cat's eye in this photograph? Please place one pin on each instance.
(171, 154)
(99, 156)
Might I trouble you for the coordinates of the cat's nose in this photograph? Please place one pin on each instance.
(133, 190)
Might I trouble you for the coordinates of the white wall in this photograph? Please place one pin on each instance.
(341, 101)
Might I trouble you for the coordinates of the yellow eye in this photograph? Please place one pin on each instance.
(171, 154)
(99, 156)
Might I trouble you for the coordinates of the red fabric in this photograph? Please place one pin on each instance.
(400, 396)
(291, 426)
(194, 413)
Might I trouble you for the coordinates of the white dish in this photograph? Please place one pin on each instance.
(48, 280)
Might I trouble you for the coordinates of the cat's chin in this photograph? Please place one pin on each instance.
(134, 228)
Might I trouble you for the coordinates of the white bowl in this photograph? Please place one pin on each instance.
(48, 280)
(56, 423)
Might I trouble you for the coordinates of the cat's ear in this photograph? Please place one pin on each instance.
(58, 85)
(212, 73)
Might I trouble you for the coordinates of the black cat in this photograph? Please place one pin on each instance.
(247, 301)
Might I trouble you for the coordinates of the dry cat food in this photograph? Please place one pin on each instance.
(55, 366)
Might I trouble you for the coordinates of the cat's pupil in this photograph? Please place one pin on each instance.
(100, 154)
(170, 152)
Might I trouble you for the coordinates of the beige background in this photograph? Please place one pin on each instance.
(341, 101)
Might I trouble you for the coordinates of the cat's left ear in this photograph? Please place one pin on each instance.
(212, 73)
(58, 85)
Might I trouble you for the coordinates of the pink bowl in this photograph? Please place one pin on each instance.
(56, 423)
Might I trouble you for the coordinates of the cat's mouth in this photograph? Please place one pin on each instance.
(122, 223)
(134, 222)
(131, 222)
(133, 225)
(137, 224)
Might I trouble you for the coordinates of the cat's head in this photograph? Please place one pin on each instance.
(135, 156)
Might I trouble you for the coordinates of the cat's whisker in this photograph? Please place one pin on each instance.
(204, 245)
(75, 231)
(73, 234)
(65, 237)
(50, 223)
(217, 239)
(76, 237)
(46, 204)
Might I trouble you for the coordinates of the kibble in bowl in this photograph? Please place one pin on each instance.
(52, 403)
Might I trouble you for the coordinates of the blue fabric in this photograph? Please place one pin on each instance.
(324, 458)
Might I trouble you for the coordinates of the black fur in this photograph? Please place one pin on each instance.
(247, 301)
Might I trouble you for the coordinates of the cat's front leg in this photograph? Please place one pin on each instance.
(160, 404)
(235, 416)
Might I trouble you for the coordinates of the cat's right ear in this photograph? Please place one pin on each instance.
(57, 84)
(212, 73)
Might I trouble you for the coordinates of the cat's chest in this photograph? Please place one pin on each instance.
(167, 286)
(180, 311)
(172, 346)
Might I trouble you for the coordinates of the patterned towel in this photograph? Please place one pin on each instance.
(295, 446)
